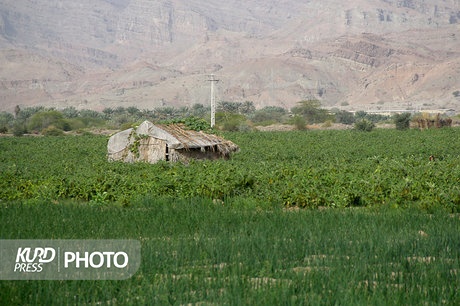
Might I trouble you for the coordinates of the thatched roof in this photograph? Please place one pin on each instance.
(135, 144)
(178, 137)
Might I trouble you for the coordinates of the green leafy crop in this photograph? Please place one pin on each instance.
(313, 169)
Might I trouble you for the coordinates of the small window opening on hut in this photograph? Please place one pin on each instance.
(167, 152)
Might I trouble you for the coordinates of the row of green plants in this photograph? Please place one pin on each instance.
(197, 251)
(302, 169)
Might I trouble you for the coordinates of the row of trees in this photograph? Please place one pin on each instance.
(231, 116)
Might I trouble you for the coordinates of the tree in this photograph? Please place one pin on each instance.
(42, 120)
(120, 110)
(228, 107)
(108, 112)
(402, 121)
(6, 121)
(344, 117)
(167, 112)
(311, 110)
(28, 112)
(19, 128)
(148, 114)
(364, 125)
(231, 122)
(242, 108)
(88, 113)
(17, 110)
(269, 115)
(199, 110)
(360, 115)
(247, 108)
(70, 112)
(133, 111)
(371, 117)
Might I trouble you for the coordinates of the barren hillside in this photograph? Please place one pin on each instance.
(373, 54)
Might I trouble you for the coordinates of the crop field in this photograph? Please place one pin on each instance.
(304, 169)
(380, 224)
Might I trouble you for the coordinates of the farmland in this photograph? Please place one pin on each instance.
(380, 224)
(303, 169)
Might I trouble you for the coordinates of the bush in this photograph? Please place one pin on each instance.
(6, 121)
(371, 117)
(19, 128)
(74, 124)
(42, 120)
(192, 123)
(402, 121)
(327, 124)
(344, 117)
(364, 125)
(231, 122)
(269, 115)
(312, 112)
(299, 122)
(52, 131)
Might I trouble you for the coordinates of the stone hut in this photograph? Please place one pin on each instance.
(153, 142)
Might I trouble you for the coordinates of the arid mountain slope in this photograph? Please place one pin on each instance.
(107, 53)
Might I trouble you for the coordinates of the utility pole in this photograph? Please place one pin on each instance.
(213, 100)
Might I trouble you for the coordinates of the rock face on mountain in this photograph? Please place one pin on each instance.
(107, 53)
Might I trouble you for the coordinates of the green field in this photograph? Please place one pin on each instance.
(304, 169)
(381, 223)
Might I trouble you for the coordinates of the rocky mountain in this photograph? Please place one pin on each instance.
(363, 54)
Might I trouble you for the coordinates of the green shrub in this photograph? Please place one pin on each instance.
(52, 131)
(269, 115)
(75, 124)
(192, 123)
(19, 128)
(344, 117)
(327, 124)
(312, 112)
(299, 122)
(231, 122)
(364, 125)
(44, 119)
(402, 121)
(6, 121)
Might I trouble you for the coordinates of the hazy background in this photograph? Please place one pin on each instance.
(93, 54)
